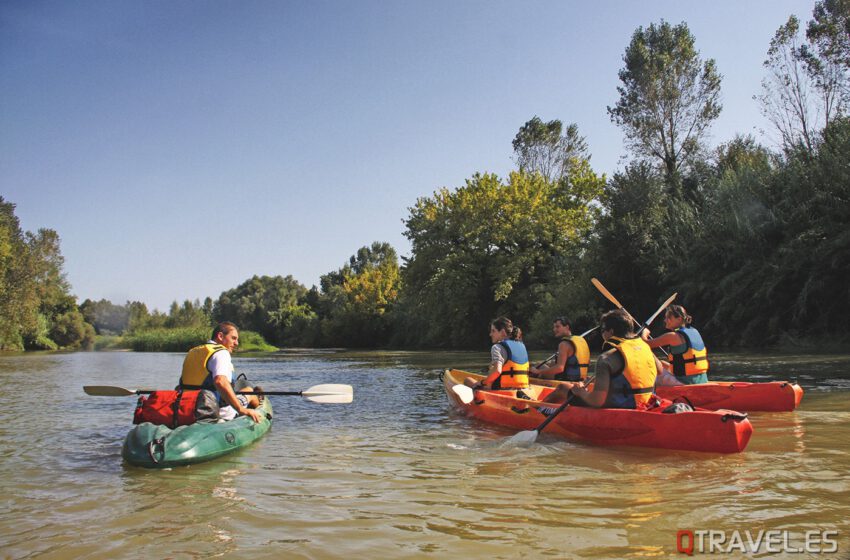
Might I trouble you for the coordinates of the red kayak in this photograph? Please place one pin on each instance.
(719, 431)
(776, 396)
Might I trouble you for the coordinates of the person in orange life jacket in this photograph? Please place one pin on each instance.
(570, 364)
(688, 358)
(625, 371)
(508, 359)
(209, 366)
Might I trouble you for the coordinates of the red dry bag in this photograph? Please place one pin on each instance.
(176, 408)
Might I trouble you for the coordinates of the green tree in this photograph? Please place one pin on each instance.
(18, 300)
(808, 81)
(489, 248)
(547, 149)
(631, 252)
(36, 309)
(356, 300)
(263, 304)
(668, 98)
(829, 31)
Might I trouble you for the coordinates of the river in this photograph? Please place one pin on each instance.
(398, 474)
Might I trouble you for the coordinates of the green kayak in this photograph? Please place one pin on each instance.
(159, 447)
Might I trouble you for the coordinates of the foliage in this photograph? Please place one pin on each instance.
(668, 97)
(808, 82)
(542, 148)
(356, 300)
(36, 309)
(266, 304)
(489, 248)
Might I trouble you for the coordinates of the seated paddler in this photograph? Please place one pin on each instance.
(687, 355)
(625, 371)
(210, 367)
(508, 359)
(572, 358)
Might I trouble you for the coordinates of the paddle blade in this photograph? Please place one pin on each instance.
(108, 391)
(604, 291)
(329, 394)
(522, 439)
(463, 392)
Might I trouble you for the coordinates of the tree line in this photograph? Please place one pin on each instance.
(753, 238)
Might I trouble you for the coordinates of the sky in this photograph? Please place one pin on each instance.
(180, 148)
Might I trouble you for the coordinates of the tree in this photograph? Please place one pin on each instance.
(829, 31)
(262, 304)
(355, 300)
(807, 85)
(488, 248)
(668, 97)
(36, 309)
(542, 148)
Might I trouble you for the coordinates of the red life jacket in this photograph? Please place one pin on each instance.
(175, 408)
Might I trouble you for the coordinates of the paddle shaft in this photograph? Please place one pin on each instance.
(559, 410)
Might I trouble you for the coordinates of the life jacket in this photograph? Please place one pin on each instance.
(196, 374)
(575, 368)
(176, 408)
(515, 369)
(689, 359)
(634, 386)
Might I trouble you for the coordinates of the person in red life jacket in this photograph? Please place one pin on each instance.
(508, 360)
(625, 371)
(573, 356)
(209, 366)
(687, 355)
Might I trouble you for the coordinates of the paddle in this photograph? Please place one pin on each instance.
(529, 436)
(328, 393)
(613, 300)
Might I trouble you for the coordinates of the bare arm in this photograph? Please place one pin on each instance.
(565, 350)
(225, 389)
(666, 339)
(599, 395)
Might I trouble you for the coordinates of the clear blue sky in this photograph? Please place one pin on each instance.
(280, 137)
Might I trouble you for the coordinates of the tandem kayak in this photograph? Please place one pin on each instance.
(713, 431)
(158, 447)
(776, 396)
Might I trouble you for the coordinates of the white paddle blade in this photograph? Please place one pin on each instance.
(108, 391)
(521, 439)
(329, 393)
(463, 392)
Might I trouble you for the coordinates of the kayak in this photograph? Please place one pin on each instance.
(776, 396)
(713, 431)
(153, 446)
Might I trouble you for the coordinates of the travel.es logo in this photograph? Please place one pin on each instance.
(692, 542)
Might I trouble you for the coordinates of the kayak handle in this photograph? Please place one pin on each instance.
(157, 443)
(734, 416)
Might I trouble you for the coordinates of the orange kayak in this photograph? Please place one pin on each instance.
(776, 396)
(713, 431)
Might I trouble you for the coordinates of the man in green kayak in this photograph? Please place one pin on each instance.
(625, 371)
(209, 366)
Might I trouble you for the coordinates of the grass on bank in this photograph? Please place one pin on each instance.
(176, 340)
